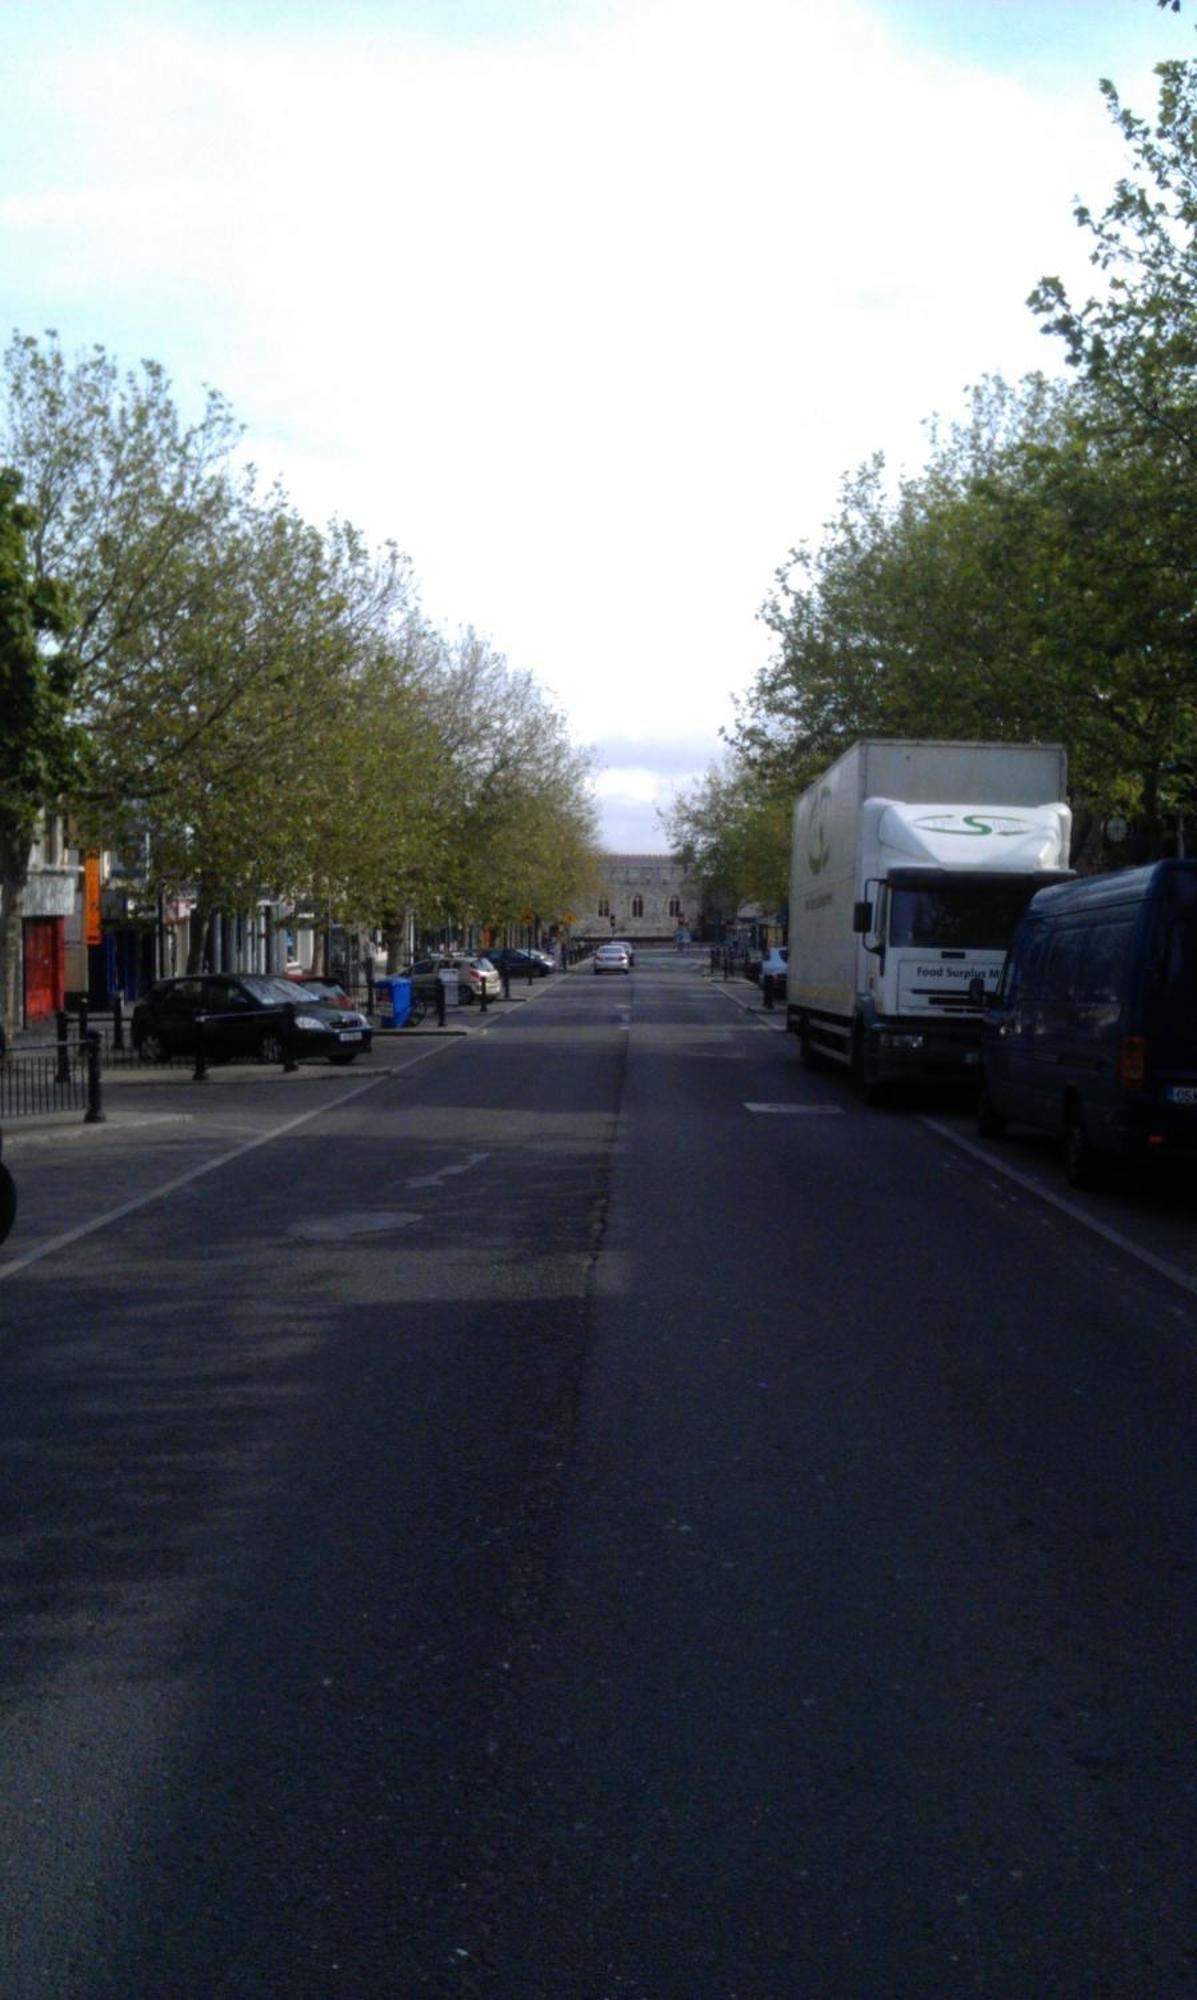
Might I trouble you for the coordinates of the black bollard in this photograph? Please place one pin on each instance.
(94, 1114)
(767, 989)
(290, 1041)
(505, 976)
(62, 1027)
(200, 1072)
(84, 1021)
(440, 1001)
(484, 994)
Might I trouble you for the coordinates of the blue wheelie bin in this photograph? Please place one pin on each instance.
(392, 994)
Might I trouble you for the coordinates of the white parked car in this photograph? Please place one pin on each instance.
(612, 958)
(773, 971)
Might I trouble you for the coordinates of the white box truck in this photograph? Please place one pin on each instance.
(912, 863)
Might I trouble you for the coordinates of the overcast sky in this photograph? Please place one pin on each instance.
(588, 304)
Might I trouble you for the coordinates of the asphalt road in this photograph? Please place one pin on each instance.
(594, 1512)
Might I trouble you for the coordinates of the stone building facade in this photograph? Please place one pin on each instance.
(644, 897)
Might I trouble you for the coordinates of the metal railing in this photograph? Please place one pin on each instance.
(42, 1077)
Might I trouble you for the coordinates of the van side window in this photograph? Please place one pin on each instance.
(1063, 955)
(1100, 970)
(1026, 969)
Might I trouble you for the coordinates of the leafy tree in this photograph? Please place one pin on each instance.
(39, 748)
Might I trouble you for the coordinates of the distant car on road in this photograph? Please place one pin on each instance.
(247, 1016)
(520, 964)
(612, 958)
(624, 945)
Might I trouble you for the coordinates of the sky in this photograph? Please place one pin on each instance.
(589, 305)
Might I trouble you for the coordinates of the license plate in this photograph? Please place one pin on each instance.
(349, 1035)
(1181, 1093)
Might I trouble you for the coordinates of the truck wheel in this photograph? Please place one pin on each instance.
(8, 1202)
(1084, 1166)
(869, 1085)
(990, 1123)
(812, 1058)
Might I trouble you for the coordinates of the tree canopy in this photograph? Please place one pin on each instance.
(259, 701)
(1035, 577)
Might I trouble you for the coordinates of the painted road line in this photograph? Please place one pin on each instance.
(797, 1110)
(54, 1244)
(1115, 1237)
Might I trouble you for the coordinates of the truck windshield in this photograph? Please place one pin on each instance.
(976, 913)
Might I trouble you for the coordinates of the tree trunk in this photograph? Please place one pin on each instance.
(15, 841)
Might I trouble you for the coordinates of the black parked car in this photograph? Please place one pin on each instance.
(517, 962)
(247, 1015)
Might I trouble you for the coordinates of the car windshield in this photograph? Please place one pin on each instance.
(271, 992)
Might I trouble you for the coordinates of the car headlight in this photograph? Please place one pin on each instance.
(309, 1022)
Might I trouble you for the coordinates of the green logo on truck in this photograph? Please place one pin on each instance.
(973, 825)
(818, 853)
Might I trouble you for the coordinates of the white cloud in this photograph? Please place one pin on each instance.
(591, 322)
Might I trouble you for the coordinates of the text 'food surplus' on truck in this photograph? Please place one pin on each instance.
(912, 864)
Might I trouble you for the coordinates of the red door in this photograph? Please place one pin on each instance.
(45, 967)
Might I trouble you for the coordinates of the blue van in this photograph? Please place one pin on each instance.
(1092, 1032)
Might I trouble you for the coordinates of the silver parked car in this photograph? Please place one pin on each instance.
(612, 958)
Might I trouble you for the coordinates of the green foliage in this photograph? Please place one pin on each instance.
(261, 698)
(1036, 578)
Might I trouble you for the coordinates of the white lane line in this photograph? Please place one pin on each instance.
(69, 1236)
(1124, 1243)
(798, 1110)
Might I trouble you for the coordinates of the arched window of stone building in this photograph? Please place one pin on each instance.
(637, 906)
(604, 907)
(675, 906)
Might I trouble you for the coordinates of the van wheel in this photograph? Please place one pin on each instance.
(1084, 1166)
(990, 1123)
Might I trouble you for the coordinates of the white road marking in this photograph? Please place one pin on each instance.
(434, 1180)
(1066, 1207)
(798, 1110)
(69, 1236)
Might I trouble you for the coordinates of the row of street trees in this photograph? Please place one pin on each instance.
(192, 669)
(1035, 579)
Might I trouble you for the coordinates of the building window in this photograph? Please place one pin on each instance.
(637, 906)
(675, 906)
(604, 908)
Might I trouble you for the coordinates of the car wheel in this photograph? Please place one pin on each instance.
(990, 1123)
(1084, 1166)
(151, 1048)
(270, 1048)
